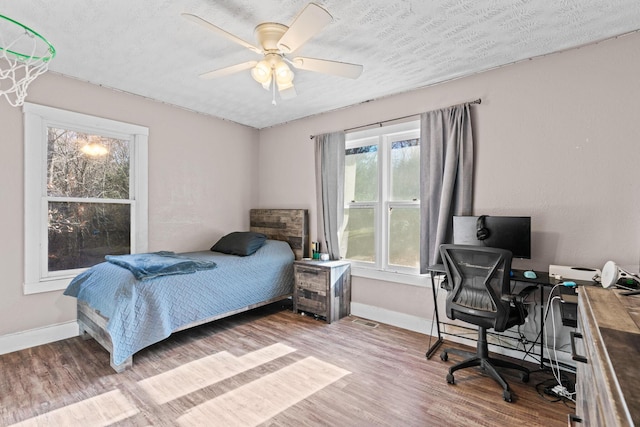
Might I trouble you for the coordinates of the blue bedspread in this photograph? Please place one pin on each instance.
(155, 264)
(142, 313)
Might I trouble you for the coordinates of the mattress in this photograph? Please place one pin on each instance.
(142, 313)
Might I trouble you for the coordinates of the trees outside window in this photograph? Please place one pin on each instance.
(89, 209)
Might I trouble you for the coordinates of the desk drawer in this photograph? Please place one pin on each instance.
(313, 279)
(311, 289)
(312, 302)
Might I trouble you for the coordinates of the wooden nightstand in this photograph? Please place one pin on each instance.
(322, 288)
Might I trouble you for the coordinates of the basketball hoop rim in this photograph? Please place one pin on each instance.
(24, 57)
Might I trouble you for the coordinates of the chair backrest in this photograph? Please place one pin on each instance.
(478, 277)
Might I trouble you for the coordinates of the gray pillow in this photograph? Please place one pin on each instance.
(242, 243)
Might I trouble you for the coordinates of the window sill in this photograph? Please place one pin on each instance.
(46, 286)
(421, 280)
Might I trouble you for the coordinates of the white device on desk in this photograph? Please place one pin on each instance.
(576, 273)
(612, 273)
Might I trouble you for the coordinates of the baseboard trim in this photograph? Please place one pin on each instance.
(39, 336)
(424, 326)
(393, 318)
(34, 337)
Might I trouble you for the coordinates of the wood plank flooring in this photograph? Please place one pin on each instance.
(269, 367)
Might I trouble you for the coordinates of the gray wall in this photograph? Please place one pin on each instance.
(192, 200)
(557, 138)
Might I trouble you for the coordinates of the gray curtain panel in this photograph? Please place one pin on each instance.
(329, 162)
(446, 176)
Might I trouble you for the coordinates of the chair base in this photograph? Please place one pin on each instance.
(486, 363)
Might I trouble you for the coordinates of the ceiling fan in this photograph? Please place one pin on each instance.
(275, 42)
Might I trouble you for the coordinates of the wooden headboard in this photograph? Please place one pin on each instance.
(290, 225)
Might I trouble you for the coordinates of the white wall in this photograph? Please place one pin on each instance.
(203, 176)
(556, 138)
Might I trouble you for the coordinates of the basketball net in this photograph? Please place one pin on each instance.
(20, 64)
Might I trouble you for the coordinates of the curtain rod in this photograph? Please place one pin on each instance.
(477, 101)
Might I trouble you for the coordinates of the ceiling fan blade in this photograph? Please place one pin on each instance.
(208, 25)
(308, 23)
(341, 69)
(228, 70)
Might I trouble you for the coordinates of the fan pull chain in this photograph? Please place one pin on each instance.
(273, 101)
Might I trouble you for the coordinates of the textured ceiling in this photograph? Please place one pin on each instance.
(146, 48)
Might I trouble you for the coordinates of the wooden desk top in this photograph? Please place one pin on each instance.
(542, 278)
(617, 318)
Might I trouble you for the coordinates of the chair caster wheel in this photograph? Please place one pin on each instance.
(524, 377)
(444, 356)
(450, 378)
(506, 395)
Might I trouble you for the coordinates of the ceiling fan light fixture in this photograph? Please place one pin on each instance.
(261, 72)
(284, 75)
(267, 85)
(284, 85)
(275, 41)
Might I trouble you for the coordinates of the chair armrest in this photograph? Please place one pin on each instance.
(526, 292)
(519, 300)
(520, 297)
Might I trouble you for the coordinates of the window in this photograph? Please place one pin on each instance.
(382, 198)
(85, 193)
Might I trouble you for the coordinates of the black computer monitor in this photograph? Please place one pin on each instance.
(505, 232)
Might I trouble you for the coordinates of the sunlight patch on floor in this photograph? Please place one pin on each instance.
(207, 371)
(248, 405)
(101, 410)
(262, 399)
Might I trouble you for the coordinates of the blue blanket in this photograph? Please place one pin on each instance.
(163, 263)
(143, 312)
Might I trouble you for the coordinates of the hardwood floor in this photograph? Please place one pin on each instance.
(268, 367)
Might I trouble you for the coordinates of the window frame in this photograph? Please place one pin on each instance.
(383, 137)
(37, 120)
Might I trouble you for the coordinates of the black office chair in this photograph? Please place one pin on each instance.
(479, 292)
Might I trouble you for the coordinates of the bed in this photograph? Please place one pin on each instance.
(125, 314)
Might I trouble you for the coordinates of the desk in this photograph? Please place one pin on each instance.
(608, 375)
(541, 281)
(435, 270)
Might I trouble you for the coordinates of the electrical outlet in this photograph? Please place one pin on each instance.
(560, 391)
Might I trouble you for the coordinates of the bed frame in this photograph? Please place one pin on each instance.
(290, 225)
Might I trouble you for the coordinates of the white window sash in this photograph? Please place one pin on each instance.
(37, 119)
(383, 138)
